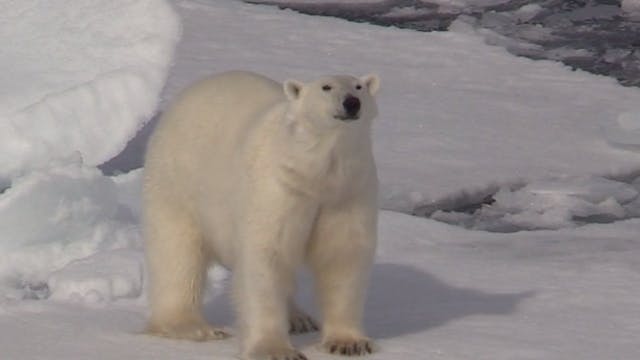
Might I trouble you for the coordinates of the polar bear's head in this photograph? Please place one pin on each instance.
(334, 100)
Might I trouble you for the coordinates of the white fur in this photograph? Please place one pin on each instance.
(262, 178)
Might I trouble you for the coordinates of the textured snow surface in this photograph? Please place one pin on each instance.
(552, 203)
(458, 118)
(103, 277)
(54, 216)
(79, 76)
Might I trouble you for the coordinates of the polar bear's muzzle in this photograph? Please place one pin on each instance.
(351, 107)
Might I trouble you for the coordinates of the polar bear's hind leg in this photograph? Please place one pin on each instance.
(299, 321)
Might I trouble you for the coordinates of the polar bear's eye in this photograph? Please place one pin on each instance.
(326, 88)
(358, 87)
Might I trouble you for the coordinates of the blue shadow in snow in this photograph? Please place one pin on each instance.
(404, 300)
(401, 300)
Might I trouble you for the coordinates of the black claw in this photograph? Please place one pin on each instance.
(343, 351)
(333, 349)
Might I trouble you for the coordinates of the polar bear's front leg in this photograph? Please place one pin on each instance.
(341, 256)
(177, 267)
(276, 232)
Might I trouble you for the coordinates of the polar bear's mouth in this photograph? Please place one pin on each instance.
(346, 117)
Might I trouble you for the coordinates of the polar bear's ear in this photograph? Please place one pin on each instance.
(292, 89)
(372, 82)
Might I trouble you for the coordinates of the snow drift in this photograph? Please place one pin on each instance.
(79, 76)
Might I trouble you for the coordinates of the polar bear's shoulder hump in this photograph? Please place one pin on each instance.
(248, 82)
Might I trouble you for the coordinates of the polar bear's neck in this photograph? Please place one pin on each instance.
(325, 162)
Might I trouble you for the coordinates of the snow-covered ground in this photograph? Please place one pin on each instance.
(459, 120)
(598, 36)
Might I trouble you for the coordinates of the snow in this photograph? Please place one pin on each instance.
(51, 217)
(631, 6)
(103, 277)
(79, 76)
(626, 132)
(528, 12)
(466, 3)
(317, 1)
(629, 121)
(459, 120)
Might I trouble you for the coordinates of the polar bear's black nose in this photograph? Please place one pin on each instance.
(351, 105)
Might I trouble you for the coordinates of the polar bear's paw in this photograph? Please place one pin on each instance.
(195, 331)
(300, 323)
(279, 354)
(349, 346)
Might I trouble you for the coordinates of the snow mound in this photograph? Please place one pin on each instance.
(625, 133)
(79, 76)
(552, 204)
(52, 217)
(631, 6)
(103, 277)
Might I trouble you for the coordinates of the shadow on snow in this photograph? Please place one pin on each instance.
(402, 300)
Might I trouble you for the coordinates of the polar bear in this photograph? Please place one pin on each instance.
(264, 178)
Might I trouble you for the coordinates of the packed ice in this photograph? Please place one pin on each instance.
(552, 204)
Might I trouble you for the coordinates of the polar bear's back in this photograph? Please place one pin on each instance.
(222, 102)
(199, 135)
